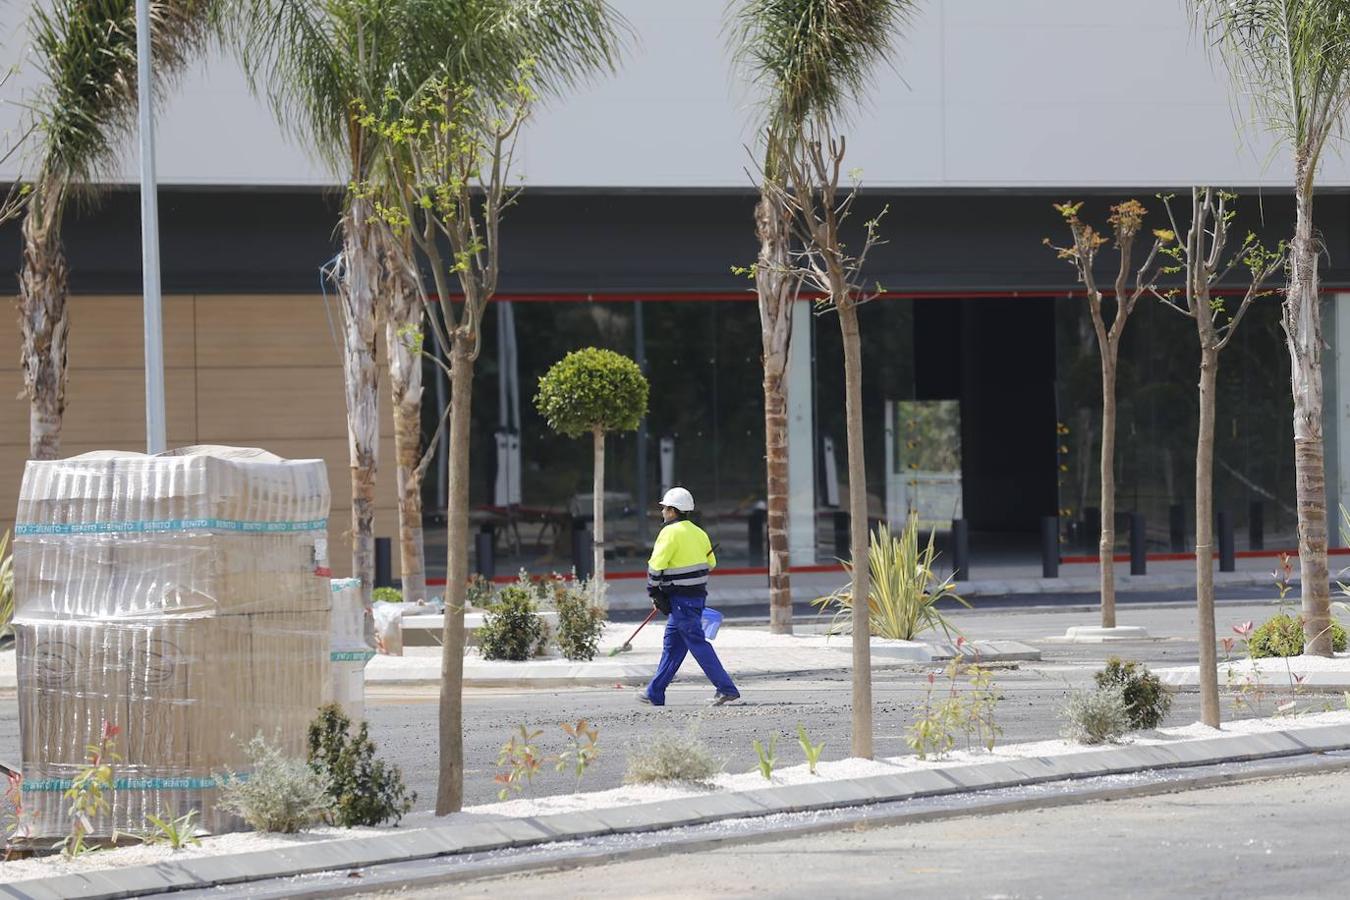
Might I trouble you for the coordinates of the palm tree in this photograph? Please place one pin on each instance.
(1292, 57)
(317, 61)
(84, 112)
(449, 134)
(814, 60)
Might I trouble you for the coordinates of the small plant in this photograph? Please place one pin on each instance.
(521, 760)
(935, 728)
(671, 756)
(1282, 635)
(89, 792)
(364, 790)
(811, 750)
(281, 794)
(478, 594)
(386, 595)
(904, 594)
(580, 621)
(1145, 697)
(582, 749)
(1097, 717)
(512, 628)
(176, 832)
(768, 757)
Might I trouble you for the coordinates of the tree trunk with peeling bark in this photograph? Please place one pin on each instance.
(357, 291)
(43, 323)
(774, 285)
(1106, 548)
(1302, 321)
(450, 792)
(403, 335)
(598, 488)
(858, 545)
(1204, 532)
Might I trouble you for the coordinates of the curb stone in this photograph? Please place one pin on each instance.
(501, 834)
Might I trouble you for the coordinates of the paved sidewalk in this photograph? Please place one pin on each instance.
(747, 652)
(490, 835)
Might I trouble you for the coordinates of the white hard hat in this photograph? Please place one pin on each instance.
(678, 498)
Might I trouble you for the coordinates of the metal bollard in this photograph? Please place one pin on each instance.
(384, 562)
(1176, 527)
(1227, 554)
(842, 543)
(960, 550)
(581, 550)
(1091, 531)
(756, 539)
(1050, 546)
(1138, 550)
(1256, 525)
(484, 548)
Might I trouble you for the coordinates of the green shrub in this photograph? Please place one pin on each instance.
(1282, 635)
(364, 790)
(903, 592)
(1096, 717)
(671, 756)
(512, 628)
(478, 594)
(580, 622)
(1145, 697)
(280, 794)
(386, 595)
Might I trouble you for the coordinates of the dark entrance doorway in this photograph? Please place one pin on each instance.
(996, 356)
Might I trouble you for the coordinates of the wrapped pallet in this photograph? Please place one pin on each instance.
(352, 646)
(183, 598)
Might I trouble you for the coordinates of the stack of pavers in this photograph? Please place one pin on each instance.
(183, 598)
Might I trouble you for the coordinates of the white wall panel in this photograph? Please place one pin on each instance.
(987, 93)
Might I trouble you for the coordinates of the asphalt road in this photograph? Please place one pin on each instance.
(1281, 838)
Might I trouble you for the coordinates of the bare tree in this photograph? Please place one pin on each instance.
(1203, 265)
(1125, 220)
(820, 204)
(1291, 59)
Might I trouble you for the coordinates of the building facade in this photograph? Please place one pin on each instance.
(981, 390)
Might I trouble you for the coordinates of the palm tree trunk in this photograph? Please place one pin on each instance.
(773, 283)
(450, 782)
(857, 508)
(404, 326)
(1303, 333)
(43, 324)
(360, 322)
(1204, 537)
(1107, 547)
(598, 537)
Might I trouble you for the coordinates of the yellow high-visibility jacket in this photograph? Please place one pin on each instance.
(681, 559)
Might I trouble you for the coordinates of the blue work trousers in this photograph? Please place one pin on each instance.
(684, 634)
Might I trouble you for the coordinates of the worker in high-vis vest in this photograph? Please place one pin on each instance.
(677, 582)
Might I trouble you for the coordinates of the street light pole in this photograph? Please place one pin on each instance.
(155, 440)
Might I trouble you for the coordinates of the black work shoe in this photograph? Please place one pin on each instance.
(643, 698)
(723, 699)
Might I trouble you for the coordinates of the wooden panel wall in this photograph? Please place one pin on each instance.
(251, 371)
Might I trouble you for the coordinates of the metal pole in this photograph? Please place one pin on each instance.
(640, 352)
(155, 439)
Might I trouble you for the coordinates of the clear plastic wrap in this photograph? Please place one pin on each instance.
(351, 648)
(183, 598)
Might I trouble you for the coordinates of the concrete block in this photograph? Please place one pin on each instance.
(982, 775)
(1326, 737)
(573, 825)
(918, 783)
(800, 797)
(650, 816)
(59, 887)
(725, 806)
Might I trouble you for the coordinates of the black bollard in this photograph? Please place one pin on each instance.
(581, 549)
(960, 550)
(759, 521)
(842, 548)
(1138, 550)
(384, 566)
(1050, 546)
(1256, 525)
(1176, 527)
(485, 553)
(1092, 528)
(1227, 554)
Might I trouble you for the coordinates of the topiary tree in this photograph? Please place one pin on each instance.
(593, 391)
